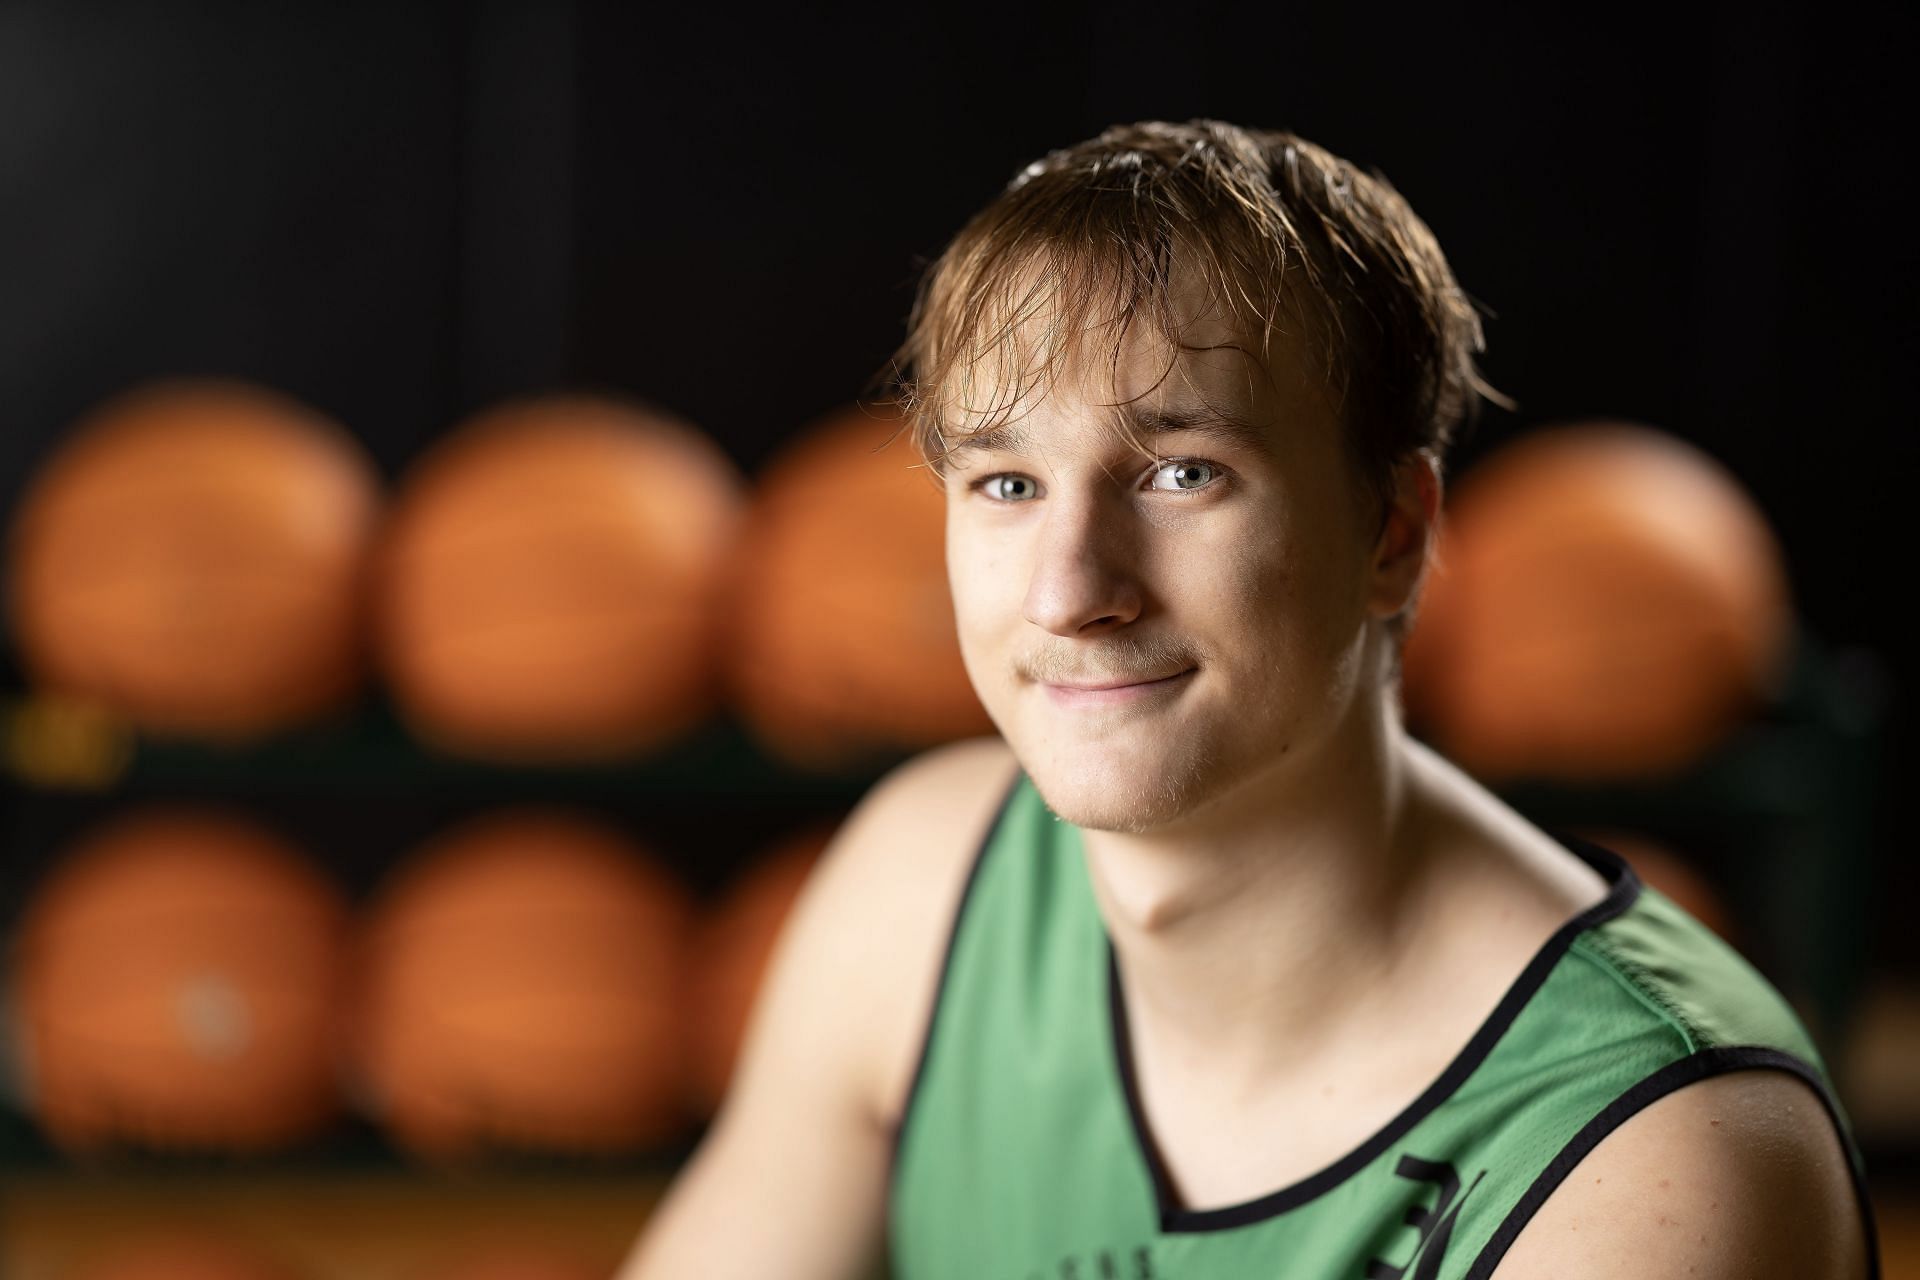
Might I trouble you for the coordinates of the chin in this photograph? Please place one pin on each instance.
(1101, 792)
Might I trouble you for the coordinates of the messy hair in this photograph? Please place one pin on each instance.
(1293, 241)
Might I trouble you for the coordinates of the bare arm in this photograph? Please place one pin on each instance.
(791, 1178)
(1738, 1176)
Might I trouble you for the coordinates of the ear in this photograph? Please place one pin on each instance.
(1400, 553)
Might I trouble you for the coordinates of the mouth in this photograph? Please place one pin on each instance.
(1116, 692)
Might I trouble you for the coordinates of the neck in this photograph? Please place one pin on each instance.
(1251, 932)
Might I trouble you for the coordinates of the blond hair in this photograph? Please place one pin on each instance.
(1280, 231)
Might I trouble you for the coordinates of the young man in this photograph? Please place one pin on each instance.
(1205, 968)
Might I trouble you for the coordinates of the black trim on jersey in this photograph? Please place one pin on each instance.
(1624, 890)
(946, 966)
(1675, 1075)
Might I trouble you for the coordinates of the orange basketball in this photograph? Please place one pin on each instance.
(735, 946)
(181, 1255)
(842, 629)
(1609, 602)
(550, 583)
(521, 987)
(177, 978)
(1674, 875)
(194, 556)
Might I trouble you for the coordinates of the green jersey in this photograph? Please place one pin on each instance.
(1022, 1155)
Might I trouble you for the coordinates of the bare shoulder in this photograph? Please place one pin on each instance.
(922, 799)
(1738, 1175)
(895, 875)
(803, 1137)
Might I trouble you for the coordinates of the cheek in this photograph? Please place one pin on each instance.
(1255, 571)
(1284, 603)
(976, 582)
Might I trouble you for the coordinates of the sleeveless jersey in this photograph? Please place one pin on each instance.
(1020, 1155)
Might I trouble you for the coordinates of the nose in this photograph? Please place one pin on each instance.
(1084, 578)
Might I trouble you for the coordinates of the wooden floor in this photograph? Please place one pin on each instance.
(383, 1227)
(1899, 1214)
(401, 1228)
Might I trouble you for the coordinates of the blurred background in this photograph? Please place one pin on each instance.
(423, 427)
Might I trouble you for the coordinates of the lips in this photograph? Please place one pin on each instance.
(1121, 683)
(1128, 692)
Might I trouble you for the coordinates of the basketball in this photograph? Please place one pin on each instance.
(194, 557)
(842, 636)
(1608, 602)
(549, 585)
(176, 979)
(520, 987)
(734, 950)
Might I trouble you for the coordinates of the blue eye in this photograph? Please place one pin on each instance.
(1008, 487)
(1181, 476)
(1187, 475)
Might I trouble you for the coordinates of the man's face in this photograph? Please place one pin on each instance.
(1222, 582)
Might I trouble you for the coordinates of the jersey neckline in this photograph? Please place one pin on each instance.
(1623, 890)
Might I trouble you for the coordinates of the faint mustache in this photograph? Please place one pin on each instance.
(1115, 661)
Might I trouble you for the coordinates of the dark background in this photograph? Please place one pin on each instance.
(400, 212)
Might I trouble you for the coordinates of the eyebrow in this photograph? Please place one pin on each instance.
(1195, 420)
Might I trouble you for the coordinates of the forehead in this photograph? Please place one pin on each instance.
(1051, 368)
